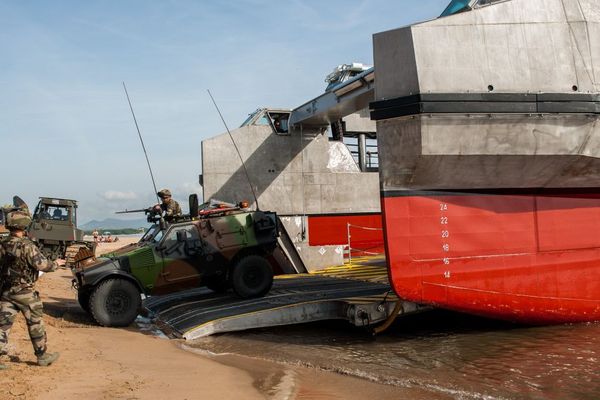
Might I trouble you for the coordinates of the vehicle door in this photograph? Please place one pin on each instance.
(181, 252)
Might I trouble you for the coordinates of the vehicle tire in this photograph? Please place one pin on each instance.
(252, 276)
(115, 302)
(83, 297)
(217, 284)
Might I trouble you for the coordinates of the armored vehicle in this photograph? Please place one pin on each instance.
(54, 228)
(219, 247)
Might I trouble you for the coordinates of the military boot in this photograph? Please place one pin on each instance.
(47, 358)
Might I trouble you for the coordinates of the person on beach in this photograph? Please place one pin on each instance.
(95, 234)
(169, 206)
(20, 264)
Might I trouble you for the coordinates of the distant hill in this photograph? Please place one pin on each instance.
(113, 223)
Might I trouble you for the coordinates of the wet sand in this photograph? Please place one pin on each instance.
(105, 363)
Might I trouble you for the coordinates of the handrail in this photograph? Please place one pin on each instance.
(367, 228)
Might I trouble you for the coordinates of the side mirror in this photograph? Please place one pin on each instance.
(193, 203)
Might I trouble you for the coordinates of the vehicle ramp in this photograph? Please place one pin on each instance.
(286, 254)
(359, 294)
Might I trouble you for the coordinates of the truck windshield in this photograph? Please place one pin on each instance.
(54, 213)
(153, 234)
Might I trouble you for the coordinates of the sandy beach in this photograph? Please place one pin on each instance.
(132, 363)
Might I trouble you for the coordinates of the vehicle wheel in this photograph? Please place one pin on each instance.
(217, 284)
(252, 276)
(83, 297)
(115, 302)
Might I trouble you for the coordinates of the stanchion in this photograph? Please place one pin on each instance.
(348, 226)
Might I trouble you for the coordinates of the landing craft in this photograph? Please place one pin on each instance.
(487, 123)
(488, 128)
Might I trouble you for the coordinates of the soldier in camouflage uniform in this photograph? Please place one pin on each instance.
(21, 261)
(169, 206)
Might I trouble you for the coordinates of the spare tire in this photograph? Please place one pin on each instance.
(115, 302)
(252, 276)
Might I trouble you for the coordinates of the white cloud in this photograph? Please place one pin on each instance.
(115, 195)
(183, 190)
(189, 187)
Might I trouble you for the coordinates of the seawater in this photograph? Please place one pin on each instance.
(449, 355)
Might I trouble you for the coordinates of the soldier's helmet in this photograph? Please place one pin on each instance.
(18, 219)
(164, 193)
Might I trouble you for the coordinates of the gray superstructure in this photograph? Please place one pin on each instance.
(299, 167)
(504, 95)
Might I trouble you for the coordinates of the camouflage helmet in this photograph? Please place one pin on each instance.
(164, 193)
(18, 219)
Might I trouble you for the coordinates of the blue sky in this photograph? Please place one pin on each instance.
(65, 126)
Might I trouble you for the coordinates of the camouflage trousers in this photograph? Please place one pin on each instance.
(28, 302)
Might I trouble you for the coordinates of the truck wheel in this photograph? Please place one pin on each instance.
(252, 276)
(115, 302)
(83, 297)
(217, 284)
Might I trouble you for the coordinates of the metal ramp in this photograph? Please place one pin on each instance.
(286, 254)
(293, 299)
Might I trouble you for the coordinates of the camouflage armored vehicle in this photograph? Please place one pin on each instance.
(221, 248)
(54, 228)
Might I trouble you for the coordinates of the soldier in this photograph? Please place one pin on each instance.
(21, 261)
(169, 206)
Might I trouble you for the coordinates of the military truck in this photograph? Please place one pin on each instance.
(54, 229)
(219, 247)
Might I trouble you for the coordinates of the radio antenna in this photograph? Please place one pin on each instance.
(141, 141)
(236, 149)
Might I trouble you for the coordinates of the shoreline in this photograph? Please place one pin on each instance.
(281, 380)
(134, 363)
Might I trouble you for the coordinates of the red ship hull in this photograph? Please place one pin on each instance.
(520, 257)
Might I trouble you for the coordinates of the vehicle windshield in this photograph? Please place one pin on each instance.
(247, 121)
(457, 6)
(54, 212)
(153, 234)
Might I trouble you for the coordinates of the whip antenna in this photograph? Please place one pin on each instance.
(142, 141)
(236, 149)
